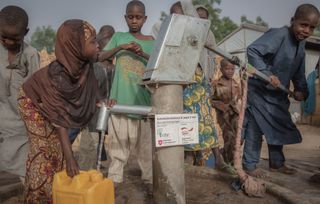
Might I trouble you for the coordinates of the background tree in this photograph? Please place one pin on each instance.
(221, 27)
(259, 21)
(244, 19)
(43, 37)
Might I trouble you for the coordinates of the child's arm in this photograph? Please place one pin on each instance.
(106, 55)
(132, 46)
(218, 105)
(300, 83)
(144, 55)
(71, 164)
(263, 49)
(214, 100)
(139, 50)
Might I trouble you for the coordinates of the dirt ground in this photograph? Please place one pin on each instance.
(307, 151)
(201, 189)
(305, 157)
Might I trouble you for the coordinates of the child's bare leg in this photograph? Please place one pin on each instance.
(219, 161)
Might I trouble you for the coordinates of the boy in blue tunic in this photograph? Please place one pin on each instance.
(280, 54)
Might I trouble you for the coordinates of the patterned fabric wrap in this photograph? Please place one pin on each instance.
(196, 100)
(45, 156)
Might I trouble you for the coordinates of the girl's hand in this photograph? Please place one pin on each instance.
(72, 167)
(107, 102)
(102, 102)
(71, 164)
(111, 103)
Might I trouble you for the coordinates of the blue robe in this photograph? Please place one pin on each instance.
(278, 53)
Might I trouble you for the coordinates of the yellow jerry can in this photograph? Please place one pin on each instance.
(89, 187)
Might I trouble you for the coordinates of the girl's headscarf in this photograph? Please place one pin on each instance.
(66, 91)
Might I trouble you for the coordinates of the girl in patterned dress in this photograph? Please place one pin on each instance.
(54, 99)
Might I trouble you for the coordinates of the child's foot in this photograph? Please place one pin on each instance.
(257, 173)
(284, 169)
(227, 168)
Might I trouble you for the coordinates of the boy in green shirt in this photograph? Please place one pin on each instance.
(127, 132)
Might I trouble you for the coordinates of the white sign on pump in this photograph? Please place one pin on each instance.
(176, 129)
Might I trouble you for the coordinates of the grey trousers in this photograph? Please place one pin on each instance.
(128, 135)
